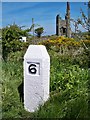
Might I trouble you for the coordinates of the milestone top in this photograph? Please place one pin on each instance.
(36, 52)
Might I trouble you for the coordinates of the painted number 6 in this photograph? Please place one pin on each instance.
(32, 69)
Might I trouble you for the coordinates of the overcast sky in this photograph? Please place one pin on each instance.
(44, 13)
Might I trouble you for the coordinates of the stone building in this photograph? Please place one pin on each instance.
(63, 26)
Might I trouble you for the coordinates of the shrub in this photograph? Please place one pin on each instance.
(10, 39)
(69, 50)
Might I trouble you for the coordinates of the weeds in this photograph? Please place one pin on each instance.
(69, 80)
(68, 91)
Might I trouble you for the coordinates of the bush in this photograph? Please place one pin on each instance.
(16, 56)
(11, 39)
(67, 77)
(69, 50)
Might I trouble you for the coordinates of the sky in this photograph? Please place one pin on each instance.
(44, 13)
(44, 0)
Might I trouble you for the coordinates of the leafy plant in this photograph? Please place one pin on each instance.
(68, 93)
(39, 31)
(10, 39)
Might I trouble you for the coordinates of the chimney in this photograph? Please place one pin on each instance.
(68, 6)
(67, 17)
(58, 25)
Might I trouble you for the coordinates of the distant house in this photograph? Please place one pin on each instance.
(22, 39)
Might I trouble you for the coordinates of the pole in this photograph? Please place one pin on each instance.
(33, 26)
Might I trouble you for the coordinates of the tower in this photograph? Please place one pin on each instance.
(63, 26)
(58, 25)
(67, 17)
(89, 16)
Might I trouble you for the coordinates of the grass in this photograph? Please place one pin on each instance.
(68, 92)
(0, 89)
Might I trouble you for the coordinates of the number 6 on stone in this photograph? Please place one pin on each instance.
(32, 69)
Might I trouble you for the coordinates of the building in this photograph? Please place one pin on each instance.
(63, 26)
(22, 39)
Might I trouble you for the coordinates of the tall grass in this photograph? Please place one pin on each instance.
(0, 89)
(11, 78)
(68, 91)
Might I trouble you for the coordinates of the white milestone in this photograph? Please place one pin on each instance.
(36, 77)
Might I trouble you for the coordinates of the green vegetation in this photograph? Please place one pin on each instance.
(69, 78)
(39, 31)
(68, 86)
(11, 39)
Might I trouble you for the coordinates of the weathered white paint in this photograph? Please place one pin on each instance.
(36, 77)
